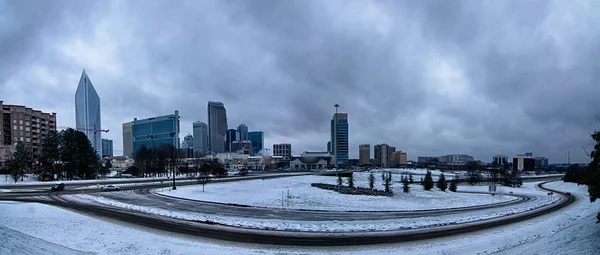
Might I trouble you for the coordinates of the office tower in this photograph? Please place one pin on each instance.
(339, 137)
(283, 150)
(127, 140)
(364, 154)
(200, 138)
(217, 127)
(258, 140)
(243, 129)
(155, 131)
(87, 112)
(107, 148)
(188, 142)
(232, 136)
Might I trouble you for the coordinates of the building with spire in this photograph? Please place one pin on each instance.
(87, 112)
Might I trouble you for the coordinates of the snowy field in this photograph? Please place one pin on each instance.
(30, 228)
(268, 193)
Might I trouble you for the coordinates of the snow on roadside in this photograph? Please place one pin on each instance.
(324, 226)
(303, 196)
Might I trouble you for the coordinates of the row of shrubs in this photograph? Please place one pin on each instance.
(352, 190)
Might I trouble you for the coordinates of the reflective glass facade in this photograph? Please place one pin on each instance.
(153, 132)
(339, 137)
(87, 111)
(258, 140)
(217, 127)
(200, 138)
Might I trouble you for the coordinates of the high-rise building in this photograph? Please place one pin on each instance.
(188, 142)
(391, 158)
(541, 162)
(243, 129)
(87, 112)
(155, 131)
(217, 127)
(107, 148)
(339, 137)
(329, 147)
(127, 140)
(500, 160)
(232, 136)
(524, 162)
(381, 155)
(22, 124)
(258, 141)
(364, 154)
(399, 158)
(200, 138)
(283, 150)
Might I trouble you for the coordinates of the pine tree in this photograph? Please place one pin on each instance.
(453, 185)
(428, 182)
(371, 180)
(405, 186)
(410, 179)
(383, 177)
(441, 183)
(592, 177)
(21, 160)
(351, 181)
(388, 182)
(339, 181)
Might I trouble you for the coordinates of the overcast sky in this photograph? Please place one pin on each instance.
(429, 77)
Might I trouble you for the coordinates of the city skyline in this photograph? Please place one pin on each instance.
(417, 82)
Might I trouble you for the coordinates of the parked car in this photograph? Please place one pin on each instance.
(58, 187)
(568, 194)
(109, 188)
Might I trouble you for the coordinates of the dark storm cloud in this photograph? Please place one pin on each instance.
(430, 77)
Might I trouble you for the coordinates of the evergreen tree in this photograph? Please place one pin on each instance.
(592, 177)
(410, 179)
(351, 181)
(428, 182)
(50, 151)
(388, 183)
(371, 180)
(441, 183)
(405, 186)
(339, 181)
(421, 181)
(20, 161)
(383, 177)
(453, 185)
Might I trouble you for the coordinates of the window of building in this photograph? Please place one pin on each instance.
(26, 117)
(27, 134)
(21, 127)
(27, 140)
(14, 127)
(14, 121)
(22, 138)
(27, 123)
(21, 133)
(27, 129)
(16, 139)
(21, 122)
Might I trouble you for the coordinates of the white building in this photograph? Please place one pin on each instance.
(311, 161)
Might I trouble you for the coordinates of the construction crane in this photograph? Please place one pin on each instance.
(95, 130)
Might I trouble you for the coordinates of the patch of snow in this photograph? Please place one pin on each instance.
(271, 193)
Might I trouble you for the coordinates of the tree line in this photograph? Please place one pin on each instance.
(68, 154)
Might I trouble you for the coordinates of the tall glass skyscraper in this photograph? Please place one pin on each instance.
(87, 111)
(339, 137)
(217, 127)
(258, 141)
(200, 138)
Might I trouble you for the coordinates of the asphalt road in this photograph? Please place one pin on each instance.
(297, 238)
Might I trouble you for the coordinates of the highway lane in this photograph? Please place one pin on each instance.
(147, 198)
(299, 238)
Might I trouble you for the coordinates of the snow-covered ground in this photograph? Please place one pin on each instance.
(268, 193)
(29, 228)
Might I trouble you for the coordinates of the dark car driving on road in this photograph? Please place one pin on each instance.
(58, 187)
